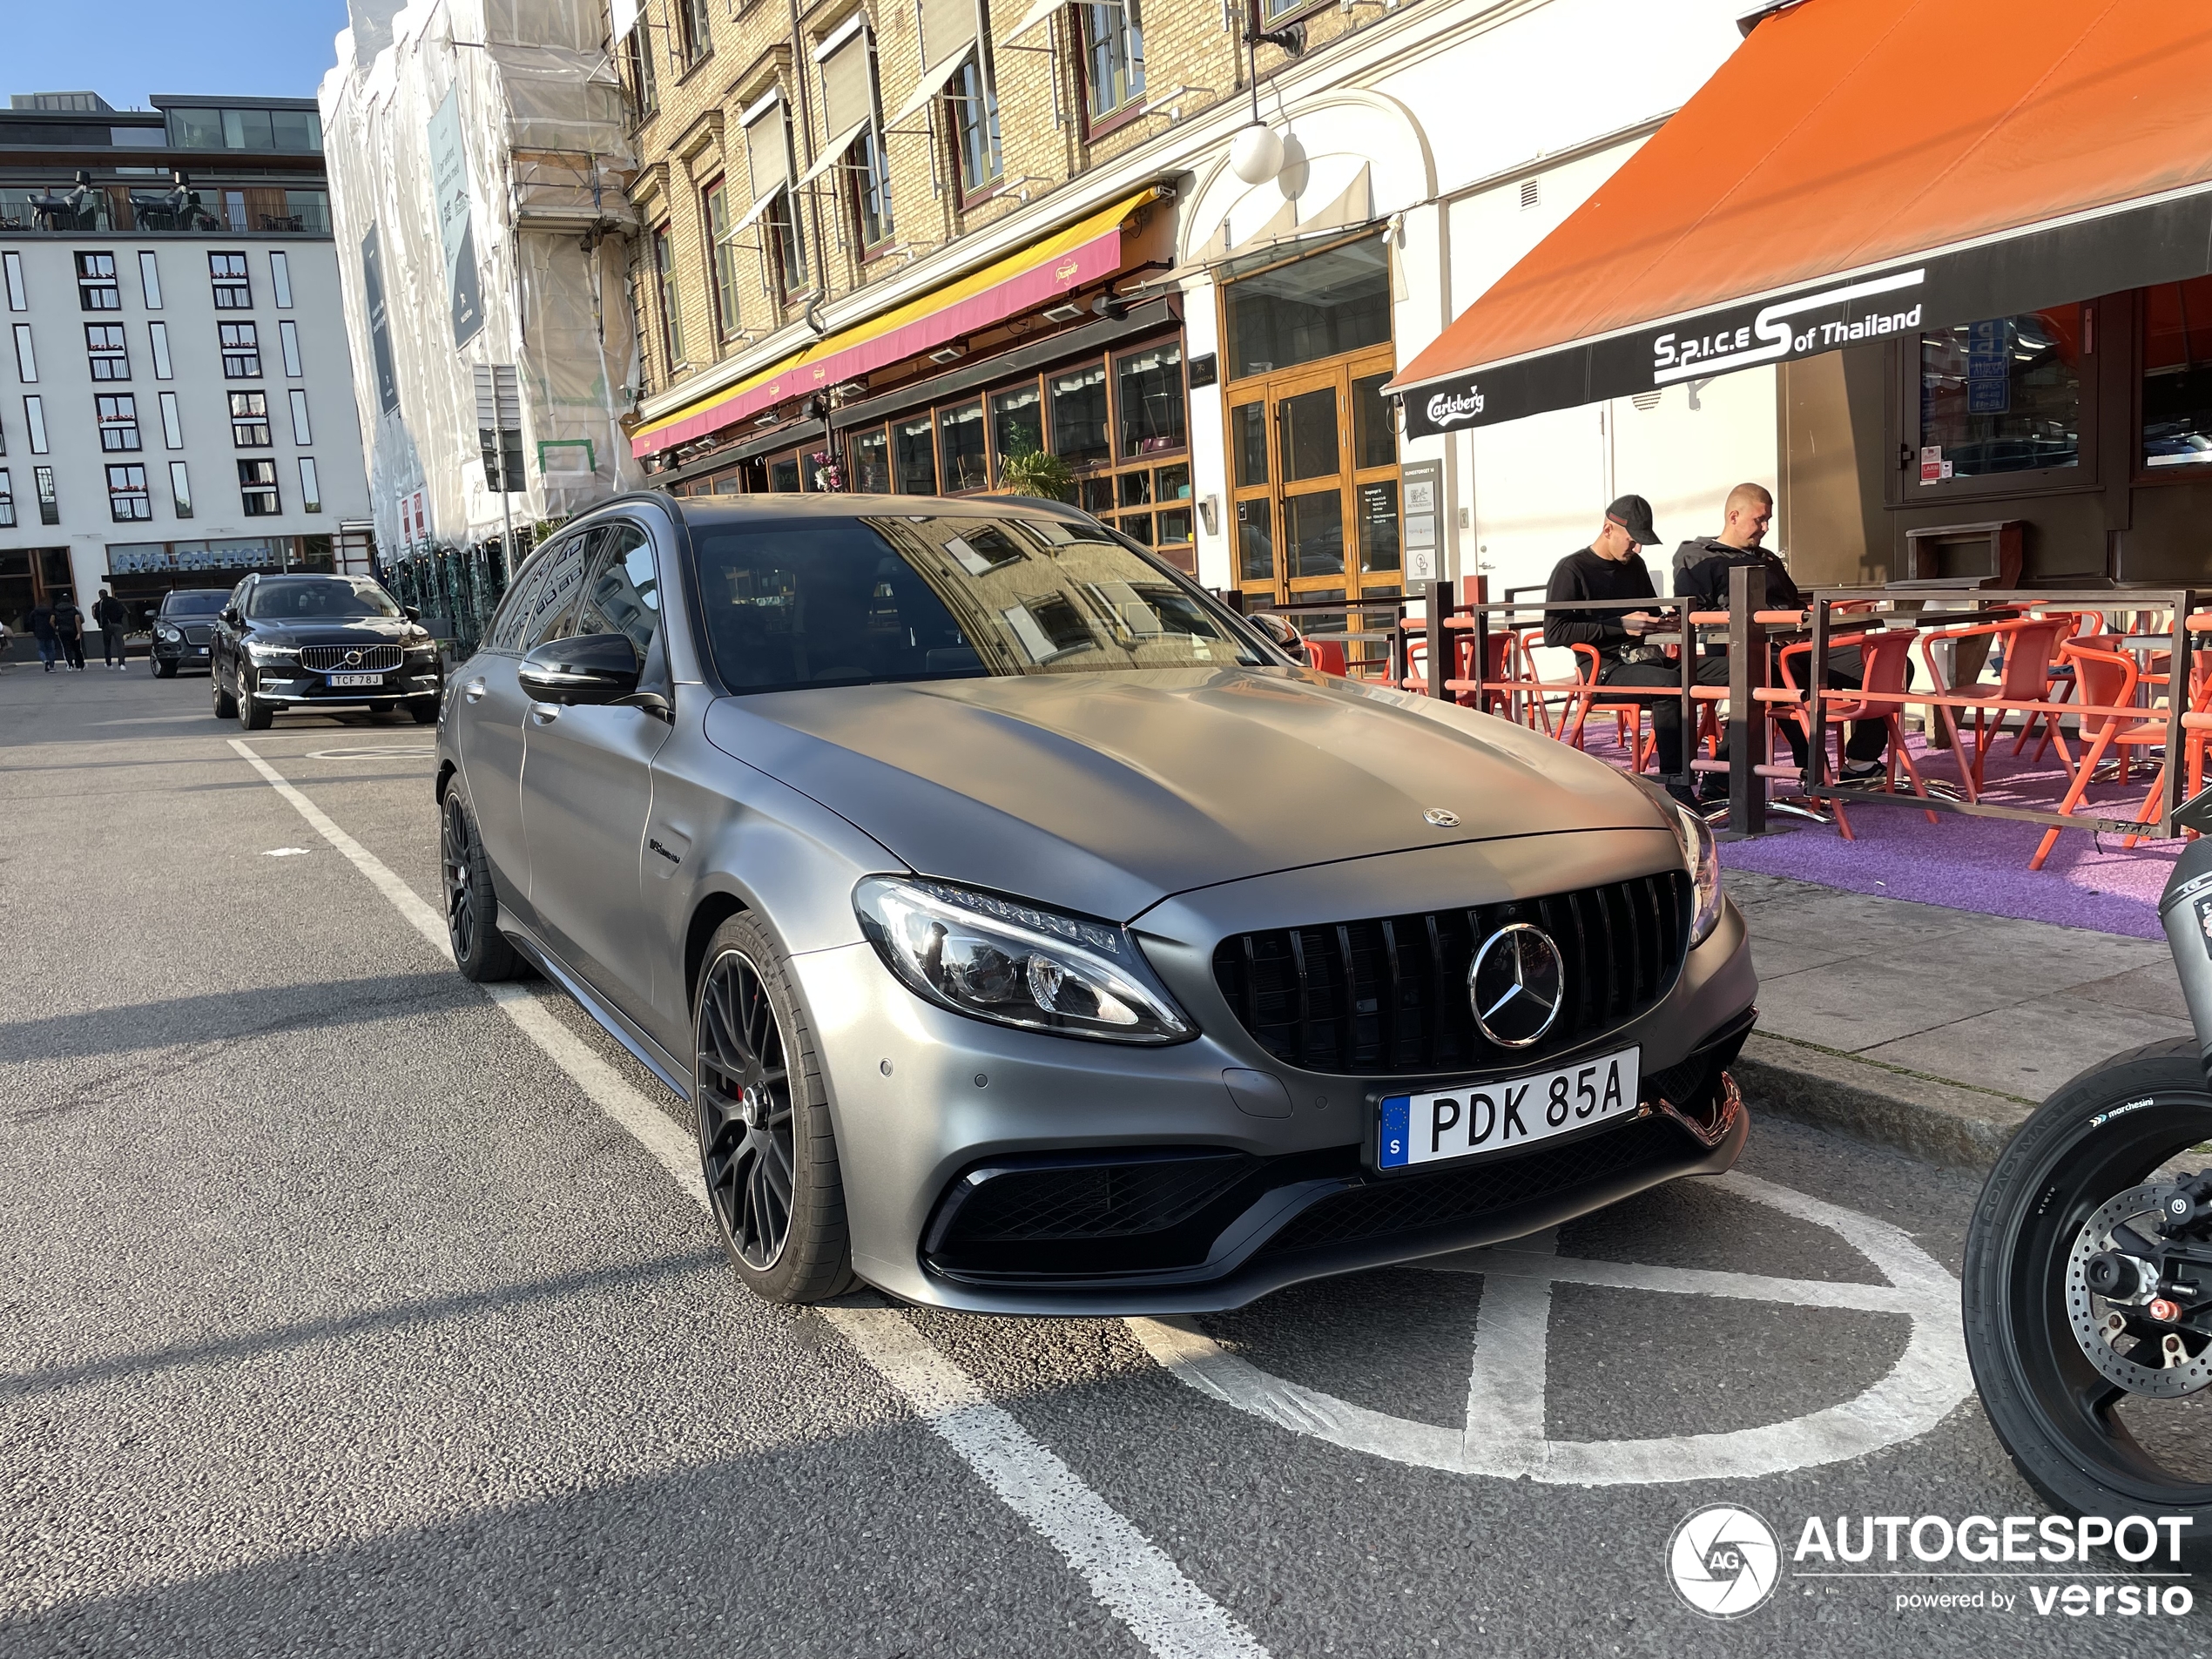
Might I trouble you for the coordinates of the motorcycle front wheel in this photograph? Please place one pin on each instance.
(2102, 1413)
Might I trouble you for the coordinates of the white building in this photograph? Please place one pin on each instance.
(179, 406)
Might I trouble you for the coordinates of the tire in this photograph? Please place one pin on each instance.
(163, 670)
(480, 950)
(425, 711)
(226, 705)
(749, 1032)
(2097, 1138)
(253, 715)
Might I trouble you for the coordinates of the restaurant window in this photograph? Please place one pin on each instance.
(671, 322)
(105, 348)
(127, 499)
(1017, 420)
(2177, 382)
(234, 287)
(241, 343)
(250, 420)
(257, 488)
(786, 476)
(1113, 57)
(976, 126)
(914, 456)
(1079, 416)
(871, 453)
(97, 287)
(118, 414)
(963, 464)
(2001, 397)
(722, 258)
(1322, 305)
(1148, 393)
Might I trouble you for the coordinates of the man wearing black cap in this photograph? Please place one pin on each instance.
(1611, 568)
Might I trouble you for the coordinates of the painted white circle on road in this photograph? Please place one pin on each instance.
(1504, 1431)
(393, 753)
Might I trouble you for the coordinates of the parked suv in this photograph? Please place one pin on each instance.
(323, 644)
(1029, 934)
(182, 628)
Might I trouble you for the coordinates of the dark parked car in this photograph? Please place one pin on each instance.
(182, 627)
(320, 643)
(1031, 934)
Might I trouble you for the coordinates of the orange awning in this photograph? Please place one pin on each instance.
(1857, 168)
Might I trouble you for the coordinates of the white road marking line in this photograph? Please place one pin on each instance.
(286, 852)
(1131, 1576)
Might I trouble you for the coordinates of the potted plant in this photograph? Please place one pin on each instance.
(1035, 472)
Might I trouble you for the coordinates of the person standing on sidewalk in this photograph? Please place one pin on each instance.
(109, 612)
(1611, 568)
(1702, 570)
(68, 629)
(41, 622)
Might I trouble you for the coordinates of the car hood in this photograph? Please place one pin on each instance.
(1106, 792)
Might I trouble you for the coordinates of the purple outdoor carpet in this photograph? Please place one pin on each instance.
(1979, 864)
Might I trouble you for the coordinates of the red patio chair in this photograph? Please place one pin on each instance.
(1628, 713)
(1884, 658)
(2030, 644)
(2108, 679)
(1325, 656)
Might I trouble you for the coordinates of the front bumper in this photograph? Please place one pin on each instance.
(304, 689)
(181, 652)
(997, 1171)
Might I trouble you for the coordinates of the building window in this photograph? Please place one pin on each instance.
(1113, 59)
(787, 240)
(26, 359)
(1017, 420)
(301, 433)
(693, 29)
(7, 502)
(119, 419)
(158, 336)
(234, 287)
(1079, 435)
(11, 266)
(2003, 395)
(172, 430)
(915, 457)
(871, 455)
(250, 420)
(241, 350)
(150, 279)
(1323, 305)
(963, 462)
(288, 341)
(127, 501)
(257, 488)
(1274, 10)
(1149, 402)
(34, 418)
(280, 279)
(671, 321)
(50, 510)
(179, 489)
(870, 171)
(2177, 383)
(722, 257)
(310, 491)
(104, 346)
(975, 128)
(97, 287)
(638, 57)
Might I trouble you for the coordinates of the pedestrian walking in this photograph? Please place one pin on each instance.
(41, 622)
(114, 617)
(68, 629)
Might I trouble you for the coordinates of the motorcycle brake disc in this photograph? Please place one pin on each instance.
(2165, 1381)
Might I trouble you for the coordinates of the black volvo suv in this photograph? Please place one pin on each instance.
(320, 643)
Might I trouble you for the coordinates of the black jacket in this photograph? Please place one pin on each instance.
(1701, 567)
(68, 621)
(41, 621)
(1583, 575)
(111, 612)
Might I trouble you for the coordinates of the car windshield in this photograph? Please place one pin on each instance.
(305, 598)
(198, 602)
(928, 597)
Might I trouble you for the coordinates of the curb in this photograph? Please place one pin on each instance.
(1942, 1123)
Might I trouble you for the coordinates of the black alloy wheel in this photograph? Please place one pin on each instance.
(766, 1152)
(480, 950)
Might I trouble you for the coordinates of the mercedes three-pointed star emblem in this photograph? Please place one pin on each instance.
(1517, 985)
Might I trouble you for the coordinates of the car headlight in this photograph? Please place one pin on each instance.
(271, 654)
(163, 631)
(1018, 964)
(1701, 857)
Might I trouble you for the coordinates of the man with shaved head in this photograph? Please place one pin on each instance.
(1702, 570)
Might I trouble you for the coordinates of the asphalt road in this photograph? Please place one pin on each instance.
(338, 1315)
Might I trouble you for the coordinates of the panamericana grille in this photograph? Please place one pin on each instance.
(331, 659)
(195, 633)
(1389, 993)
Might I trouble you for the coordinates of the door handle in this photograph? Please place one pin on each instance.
(474, 691)
(545, 713)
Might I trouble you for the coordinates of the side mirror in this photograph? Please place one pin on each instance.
(1278, 628)
(410, 613)
(590, 668)
(230, 614)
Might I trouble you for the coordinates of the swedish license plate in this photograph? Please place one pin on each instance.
(356, 679)
(1471, 1119)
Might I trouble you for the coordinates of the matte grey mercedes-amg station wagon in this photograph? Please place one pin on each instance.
(1030, 934)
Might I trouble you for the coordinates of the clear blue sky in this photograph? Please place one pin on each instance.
(125, 49)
